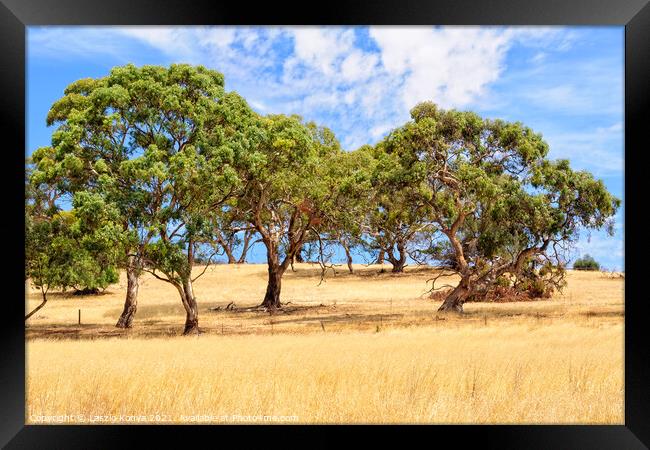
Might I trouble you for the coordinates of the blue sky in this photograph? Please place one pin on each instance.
(564, 82)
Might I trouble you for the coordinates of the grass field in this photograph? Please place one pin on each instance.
(363, 348)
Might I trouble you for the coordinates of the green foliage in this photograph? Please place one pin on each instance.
(490, 191)
(586, 263)
(78, 249)
(293, 182)
(396, 220)
(158, 143)
(158, 160)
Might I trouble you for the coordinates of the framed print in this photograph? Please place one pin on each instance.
(367, 216)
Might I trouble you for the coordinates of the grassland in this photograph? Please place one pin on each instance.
(362, 348)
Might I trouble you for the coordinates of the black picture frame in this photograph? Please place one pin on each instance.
(16, 15)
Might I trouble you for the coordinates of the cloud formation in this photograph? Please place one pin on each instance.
(366, 76)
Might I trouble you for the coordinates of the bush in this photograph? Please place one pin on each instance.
(530, 284)
(586, 263)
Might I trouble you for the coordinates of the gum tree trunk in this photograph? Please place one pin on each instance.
(398, 266)
(191, 308)
(131, 302)
(380, 257)
(454, 301)
(276, 270)
(247, 238)
(348, 256)
(44, 294)
(398, 263)
(273, 288)
(299, 258)
(227, 249)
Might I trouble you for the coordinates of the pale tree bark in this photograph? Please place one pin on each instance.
(191, 308)
(454, 301)
(274, 286)
(185, 289)
(133, 271)
(183, 283)
(246, 245)
(380, 257)
(398, 263)
(348, 256)
(131, 301)
(44, 294)
(187, 295)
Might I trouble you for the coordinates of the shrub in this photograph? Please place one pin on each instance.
(586, 263)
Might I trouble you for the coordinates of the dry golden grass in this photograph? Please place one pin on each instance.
(363, 348)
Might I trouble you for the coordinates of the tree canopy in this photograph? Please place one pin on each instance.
(158, 143)
(290, 189)
(587, 262)
(162, 166)
(79, 248)
(493, 195)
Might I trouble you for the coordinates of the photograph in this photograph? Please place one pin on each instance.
(272, 225)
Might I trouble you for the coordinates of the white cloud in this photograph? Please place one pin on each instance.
(321, 99)
(565, 97)
(259, 106)
(349, 97)
(221, 38)
(171, 41)
(451, 66)
(324, 74)
(319, 48)
(615, 128)
(539, 58)
(358, 66)
(545, 37)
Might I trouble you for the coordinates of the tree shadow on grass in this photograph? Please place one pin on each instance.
(340, 318)
(150, 311)
(313, 270)
(149, 329)
(70, 295)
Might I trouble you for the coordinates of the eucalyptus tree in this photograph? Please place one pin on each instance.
(188, 174)
(233, 236)
(355, 201)
(80, 248)
(396, 224)
(135, 136)
(493, 194)
(289, 190)
(191, 185)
